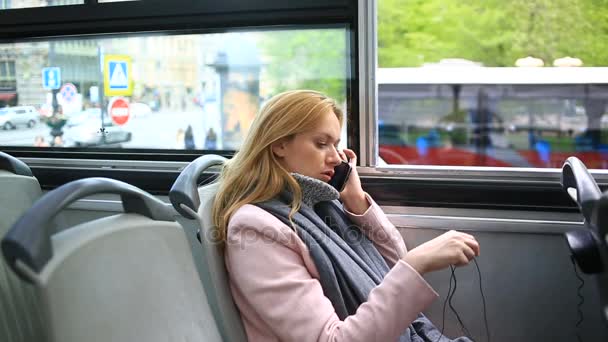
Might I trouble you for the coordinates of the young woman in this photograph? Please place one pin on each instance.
(302, 265)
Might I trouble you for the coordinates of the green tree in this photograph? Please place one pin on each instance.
(314, 59)
(595, 43)
(496, 33)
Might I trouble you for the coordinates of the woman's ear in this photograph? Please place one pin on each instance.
(279, 148)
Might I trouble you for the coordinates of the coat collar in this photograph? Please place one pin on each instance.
(314, 190)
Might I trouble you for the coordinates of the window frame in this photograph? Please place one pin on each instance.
(141, 16)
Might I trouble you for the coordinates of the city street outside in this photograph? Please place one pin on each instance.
(156, 130)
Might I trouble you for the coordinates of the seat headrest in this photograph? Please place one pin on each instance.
(14, 165)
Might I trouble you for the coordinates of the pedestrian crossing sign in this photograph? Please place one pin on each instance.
(117, 75)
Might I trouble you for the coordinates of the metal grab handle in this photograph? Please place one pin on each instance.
(576, 176)
(185, 189)
(29, 239)
(14, 165)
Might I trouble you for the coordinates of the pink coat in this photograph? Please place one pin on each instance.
(276, 286)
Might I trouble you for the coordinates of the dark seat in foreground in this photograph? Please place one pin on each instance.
(20, 318)
(127, 277)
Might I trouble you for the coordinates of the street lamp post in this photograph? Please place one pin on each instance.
(238, 65)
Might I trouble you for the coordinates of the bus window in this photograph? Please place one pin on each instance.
(161, 91)
(493, 94)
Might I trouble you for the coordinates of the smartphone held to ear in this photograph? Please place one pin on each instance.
(341, 173)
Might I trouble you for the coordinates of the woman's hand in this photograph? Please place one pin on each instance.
(353, 195)
(451, 248)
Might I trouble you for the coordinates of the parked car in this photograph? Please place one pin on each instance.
(11, 117)
(86, 129)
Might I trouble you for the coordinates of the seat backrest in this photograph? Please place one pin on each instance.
(127, 277)
(217, 285)
(195, 204)
(20, 317)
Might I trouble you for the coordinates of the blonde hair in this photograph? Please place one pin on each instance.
(254, 174)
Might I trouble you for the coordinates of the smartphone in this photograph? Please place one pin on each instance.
(341, 173)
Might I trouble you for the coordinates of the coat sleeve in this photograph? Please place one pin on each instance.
(375, 224)
(271, 274)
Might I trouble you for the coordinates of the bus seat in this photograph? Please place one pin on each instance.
(126, 277)
(20, 317)
(194, 205)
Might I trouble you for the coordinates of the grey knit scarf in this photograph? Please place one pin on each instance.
(349, 264)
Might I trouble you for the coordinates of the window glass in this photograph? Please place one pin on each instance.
(195, 91)
(492, 83)
(14, 4)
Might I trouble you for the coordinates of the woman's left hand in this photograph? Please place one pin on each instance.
(353, 195)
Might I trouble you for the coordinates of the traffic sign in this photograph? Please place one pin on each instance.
(51, 78)
(68, 92)
(119, 110)
(117, 75)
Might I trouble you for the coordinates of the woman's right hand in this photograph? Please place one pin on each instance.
(451, 248)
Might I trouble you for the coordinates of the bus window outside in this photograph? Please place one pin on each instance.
(195, 91)
(516, 84)
(16, 4)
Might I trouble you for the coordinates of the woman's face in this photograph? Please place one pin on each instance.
(314, 153)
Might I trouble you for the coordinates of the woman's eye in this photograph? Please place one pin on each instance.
(321, 144)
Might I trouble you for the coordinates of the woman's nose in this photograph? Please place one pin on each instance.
(334, 158)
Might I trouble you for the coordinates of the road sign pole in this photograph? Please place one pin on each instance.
(101, 94)
(54, 102)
